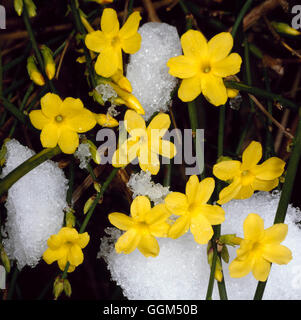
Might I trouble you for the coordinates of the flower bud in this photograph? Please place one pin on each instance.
(122, 81)
(94, 152)
(232, 93)
(67, 288)
(58, 287)
(225, 254)
(3, 152)
(48, 61)
(18, 4)
(4, 259)
(33, 72)
(103, 1)
(70, 218)
(97, 186)
(88, 204)
(105, 120)
(285, 28)
(229, 239)
(31, 8)
(218, 270)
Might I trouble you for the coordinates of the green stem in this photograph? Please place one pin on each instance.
(81, 29)
(193, 117)
(13, 109)
(262, 93)
(12, 285)
(167, 176)
(286, 192)
(27, 166)
(240, 17)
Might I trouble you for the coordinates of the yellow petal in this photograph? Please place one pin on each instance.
(190, 88)
(121, 221)
(229, 193)
(228, 66)
(167, 149)
(109, 22)
(131, 45)
(269, 169)
(128, 242)
(251, 156)
(51, 255)
(205, 190)
(220, 46)
(157, 214)
(49, 135)
(253, 227)
(62, 265)
(232, 93)
(75, 256)
(50, 105)
(70, 107)
(159, 122)
(245, 192)
(194, 44)
(180, 227)
(275, 234)
(182, 67)
(159, 229)
(38, 119)
(240, 268)
(54, 242)
(125, 154)
(81, 122)
(227, 170)
(148, 246)
(277, 253)
(96, 41)
(214, 90)
(201, 229)
(176, 203)
(140, 207)
(83, 239)
(261, 269)
(148, 160)
(68, 141)
(213, 213)
(192, 187)
(131, 26)
(265, 185)
(133, 121)
(107, 62)
(68, 234)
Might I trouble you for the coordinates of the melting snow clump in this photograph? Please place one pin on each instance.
(34, 204)
(147, 70)
(142, 185)
(181, 270)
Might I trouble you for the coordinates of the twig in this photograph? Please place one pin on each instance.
(264, 111)
(152, 14)
(63, 55)
(256, 13)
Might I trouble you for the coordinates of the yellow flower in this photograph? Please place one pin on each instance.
(204, 65)
(195, 214)
(111, 40)
(60, 121)
(144, 143)
(247, 176)
(66, 246)
(141, 228)
(259, 249)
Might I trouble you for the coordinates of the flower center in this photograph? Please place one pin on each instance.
(59, 118)
(115, 41)
(246, 177)
(206, 69)
(143, 227)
